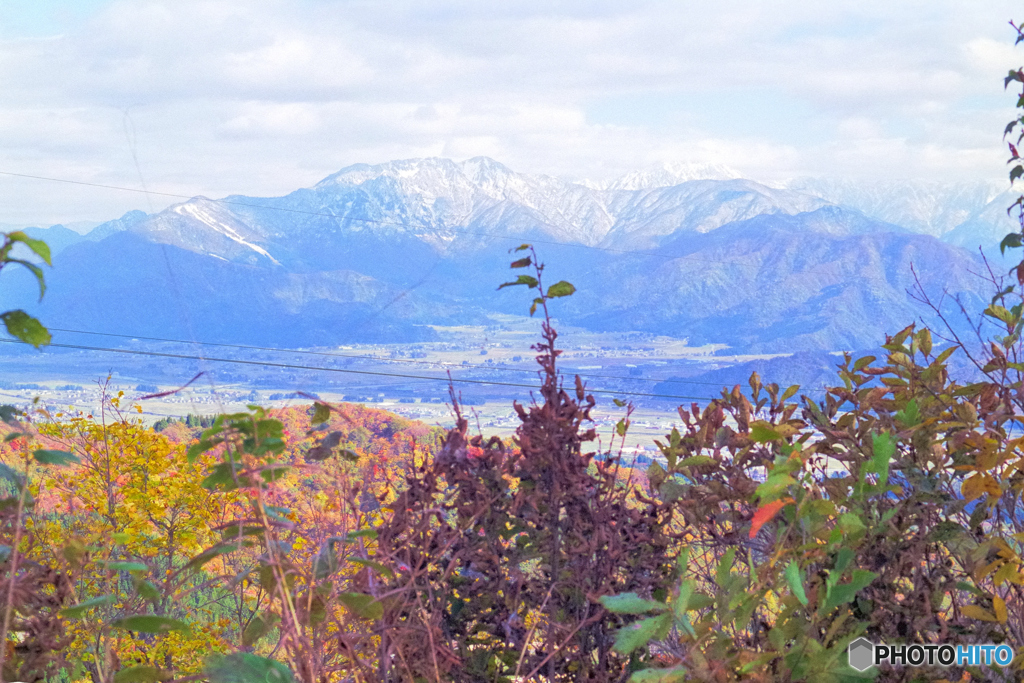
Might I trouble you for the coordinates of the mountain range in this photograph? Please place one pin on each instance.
(381, 253)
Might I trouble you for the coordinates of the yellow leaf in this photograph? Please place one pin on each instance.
(1008, 572)
(999, 605)
(986, 459)
(979, 613)
(980, 485)
(988, 569)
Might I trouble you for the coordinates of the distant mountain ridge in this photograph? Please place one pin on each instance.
(385, 251)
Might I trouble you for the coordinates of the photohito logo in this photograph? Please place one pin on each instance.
(864, 654)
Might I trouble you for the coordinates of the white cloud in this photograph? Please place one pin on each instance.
(259, 98)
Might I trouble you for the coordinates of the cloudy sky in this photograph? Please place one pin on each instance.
(259, 98)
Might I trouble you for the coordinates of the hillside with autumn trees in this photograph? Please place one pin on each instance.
(125, 519)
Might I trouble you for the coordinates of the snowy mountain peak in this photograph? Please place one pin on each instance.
(671, 173)
(930, 207)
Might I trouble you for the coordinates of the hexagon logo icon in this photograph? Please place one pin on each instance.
(862, 654)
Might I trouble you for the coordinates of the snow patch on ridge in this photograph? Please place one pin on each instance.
(205, 214)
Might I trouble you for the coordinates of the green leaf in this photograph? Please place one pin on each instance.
(924, 341)
(843, 559)
(222, 475)
(676, 674)
(700, 601)
(147, 590)
(560, 289)
(863, 362)
(522, 247)
(240, 530)
(242, 667)
(10, 475)
(724, 570)
(24, 327)
(762, 432)
(772, 487)
(910, 415)
(655, 474)
(631, 603)
(376, 566)
(521, 263)
(326, 560)
(321, 413)
(36, 270)
(10, 414)
(1011, 241)
(789, 393)
(204, 444)
(530, 282)
(274, 472)
(81, 608)
(149, 623)
(796, 582)
(140, 674)
(217, 550)
(47, 457)
(325, 448)
(846, 592)
(671, 490)
(362, 533)
(1016, 172)
(641, 633)
(682, 601)
(849, 523)
(362, 605)
(945, 531)
(126, 566)
(39, 247)
(884, 448)
(697, 461)
(261, 624)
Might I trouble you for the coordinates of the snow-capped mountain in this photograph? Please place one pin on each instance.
(383, 251)
(462, 205)
(671, 173)
(932, 208)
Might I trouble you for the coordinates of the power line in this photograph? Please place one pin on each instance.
(292, 366)
(372, 221)
(366, 357)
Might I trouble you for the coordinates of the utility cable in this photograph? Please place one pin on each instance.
(367, 357)
(377, 373)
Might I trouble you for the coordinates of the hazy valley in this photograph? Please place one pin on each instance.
(688, 279)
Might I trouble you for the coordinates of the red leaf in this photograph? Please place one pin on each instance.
(765, 513)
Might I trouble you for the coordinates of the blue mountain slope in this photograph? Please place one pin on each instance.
(824, 280)
(376, 253)
(125, 284)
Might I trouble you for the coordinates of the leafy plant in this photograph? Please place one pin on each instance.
(20, 324)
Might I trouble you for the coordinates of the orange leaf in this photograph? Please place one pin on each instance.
(765, 513)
